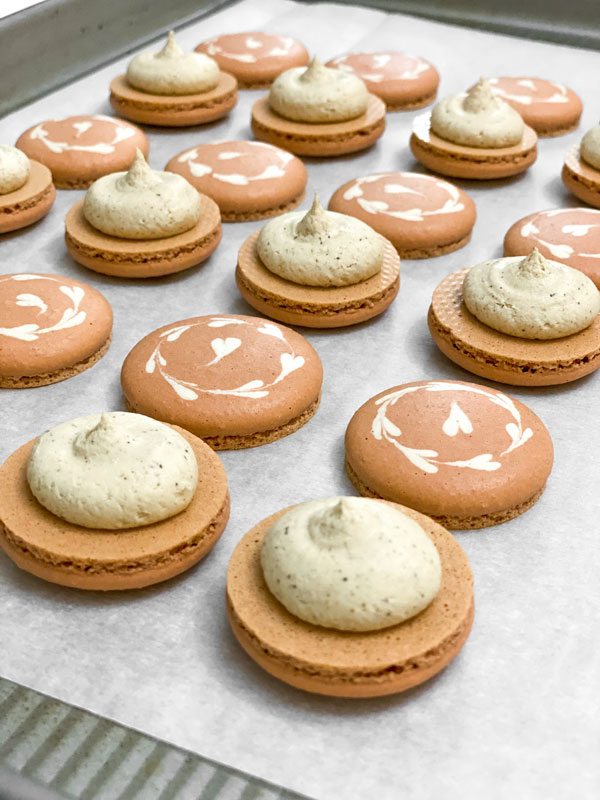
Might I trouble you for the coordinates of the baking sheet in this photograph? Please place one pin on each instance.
(517, 713)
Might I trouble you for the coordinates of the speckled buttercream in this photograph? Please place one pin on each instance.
(350, 563)
(14, 169)
(112, 471)
(590, 147)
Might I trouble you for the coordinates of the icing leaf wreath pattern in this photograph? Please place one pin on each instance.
(384, 429)
(561, 250)
(31, 331)
(254, 389)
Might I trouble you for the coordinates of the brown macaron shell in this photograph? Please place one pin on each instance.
(52, 328)
(255, 58)
(47, 546)
(402, 81)
(173, 110)
(247, 180)
(344, 663)
(465, 454)
(581, 178)
(142, 258)
(474, 163)
(421, 215)
(235, 381)
(325, 139)
(315, 306)
(551, 109)
(500, 357)
(79, 150)
(568, 235)
(31, 202)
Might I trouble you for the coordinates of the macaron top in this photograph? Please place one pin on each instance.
(222, 375)
(172, 71)
(112, 471)
(318, 94)
(448, 448)
(142, 203)
(350, 563)
(545, 105)
(320, 248)
(590, 147)
(477, 118)
(376, 68)
(14, 169)
(49, 322)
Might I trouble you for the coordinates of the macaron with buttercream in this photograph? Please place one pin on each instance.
(318, 111)
(319, 269)
(111, 501)
(528, 321)
(474, 135)
(26, 189)
(173, 88)
(142, 223)
(338, 596)
(581, 169)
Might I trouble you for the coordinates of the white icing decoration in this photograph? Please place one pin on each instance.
(384, 429)
(270, 172)
(282, 49)
(104, 148)
(379, 61)
(254, 389)
(30, 331)
(355, 192)
(560, 96)
(561, 250)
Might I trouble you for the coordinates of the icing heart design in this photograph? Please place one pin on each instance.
(457, 420)
(290, 363)
(223, 347)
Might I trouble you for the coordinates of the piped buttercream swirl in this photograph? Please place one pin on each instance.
(318, 94)
(320, 248)
(590, 147)
(172, 71)
(113, 471)
(350, 563)
(14, 169)
(532, 297)
(477, 118)
(142, 203)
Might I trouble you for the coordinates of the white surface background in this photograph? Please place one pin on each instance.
(517, 713)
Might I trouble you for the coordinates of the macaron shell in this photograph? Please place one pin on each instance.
(497, 356)
(86, 558)
(224, 375)
(421, 215)
(476, 163)
(247, 180)
(255, 58)
(52, 323)
(174, 110)
(341, 663)
(142, 258)
(315, 306)
(319, 139)
(581, 178)
(455, 451)
(551, 109)
(31, 202)
(568, 235)
(402, 81)
(78, 150)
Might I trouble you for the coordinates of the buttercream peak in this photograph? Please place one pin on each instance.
(171, 48)
(534, 265)
(479, 96)
(316, 220)
(315, 71)
(140, 174)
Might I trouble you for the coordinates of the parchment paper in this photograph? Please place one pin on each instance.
(517, 713)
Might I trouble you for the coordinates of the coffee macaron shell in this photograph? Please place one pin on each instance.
(232, 380)
(500, 357)
(255, 58)
(474, 163)
(568, 235)
(79, 150)
(52, 329)
(464, 454)
(421, 215)
(581, 178)
(550, 108)
(323, 139)
(404, 82)
(315, 306)
(342, 663)
(106, 560)
(247, 180)
(24, 206)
